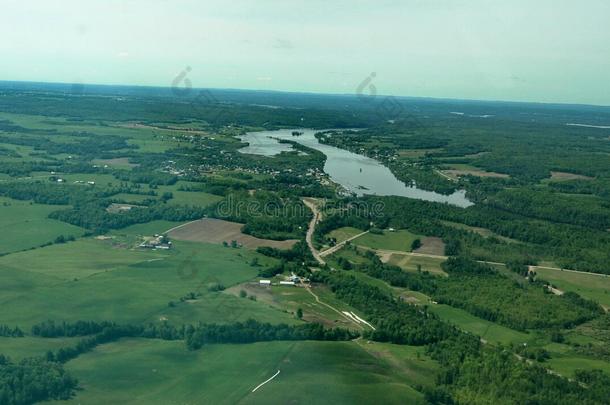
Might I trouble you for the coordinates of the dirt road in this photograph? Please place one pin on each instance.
(338, 246)
(318, 300)
(312, 227)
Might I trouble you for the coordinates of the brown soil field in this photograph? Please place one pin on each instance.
(211, 230)
(115, 208)
(432, 246)
(563, 176)
(120, 162)
(479, 173)
(168, 128)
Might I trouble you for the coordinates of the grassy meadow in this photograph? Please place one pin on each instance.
(25, 226)
(159, 372)
(94, 280)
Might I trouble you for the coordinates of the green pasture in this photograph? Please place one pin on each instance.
(158, 372)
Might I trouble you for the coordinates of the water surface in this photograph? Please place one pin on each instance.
(356, 173)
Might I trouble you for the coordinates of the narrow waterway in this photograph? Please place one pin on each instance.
(356, 173)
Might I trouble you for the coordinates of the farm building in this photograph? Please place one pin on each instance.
(287, 283)
(264, 282)
(157, 242)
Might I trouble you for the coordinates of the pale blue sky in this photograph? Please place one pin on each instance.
(531, 50)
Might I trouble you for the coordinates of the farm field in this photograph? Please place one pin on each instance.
(26, 225)
(431, 246)
(212, 230)
(342, 234)
(457, 170)
(93, 281)
(594, 287)
(23, 347)
(397, 240)
(290, 299)
(199, 199)
(567, 365)
(412, 263)
(147, 229)
(487, 330)
(151, 371)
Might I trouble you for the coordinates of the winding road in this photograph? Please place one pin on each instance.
(311, 204)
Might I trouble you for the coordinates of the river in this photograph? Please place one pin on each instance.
(356, 173)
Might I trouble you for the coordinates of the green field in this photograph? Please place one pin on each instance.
(19, 348)
(150, 371)
(147, 229)
(413, 263)
(91, 280)
(591, 286)
(400, 240)
(567, 365)
(289, 299)
(487, 330)
(194, 198)
(344, 233)
(26, 225)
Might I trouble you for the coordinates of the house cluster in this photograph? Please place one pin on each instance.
(156, 242)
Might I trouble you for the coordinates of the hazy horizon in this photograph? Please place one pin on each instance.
(548, 52)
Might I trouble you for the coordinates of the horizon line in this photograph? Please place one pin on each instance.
(555, 103)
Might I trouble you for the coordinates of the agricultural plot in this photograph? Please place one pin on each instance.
(455, 171)
(324, 309)
(564, 176)
(121, 163)
(211, 230)
(22, 347)
(150, 372)
(26, 225)
(413, 263)
(489, 331)
(400, 240)
(344, 233)
(93, 281)
(431, 246)
(592, 286)
(147, 229)
(198, 199)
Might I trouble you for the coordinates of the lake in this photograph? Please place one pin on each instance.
(356, 173)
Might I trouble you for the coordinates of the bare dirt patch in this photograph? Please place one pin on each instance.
(455, 173)
(564, 176)
(115, 208)
(166, 128)
(117, 162)
(211, 230)
(432, 246)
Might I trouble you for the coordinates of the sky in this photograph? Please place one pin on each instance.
(516, 50)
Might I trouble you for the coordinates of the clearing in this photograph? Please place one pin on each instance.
(592, 286)
(565, 176)
(400, 240)
(456, 171)
(431, 246)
